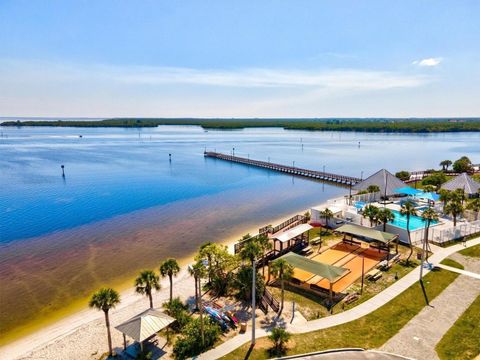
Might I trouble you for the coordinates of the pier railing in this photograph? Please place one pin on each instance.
(318, 175)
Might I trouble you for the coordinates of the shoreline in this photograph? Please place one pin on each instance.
(76, 317)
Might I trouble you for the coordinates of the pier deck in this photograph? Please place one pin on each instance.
(313, 174)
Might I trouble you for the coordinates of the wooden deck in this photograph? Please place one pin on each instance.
(312, 174)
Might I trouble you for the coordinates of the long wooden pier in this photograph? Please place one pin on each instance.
(313, 174)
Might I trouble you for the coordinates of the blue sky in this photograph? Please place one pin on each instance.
(239, 58)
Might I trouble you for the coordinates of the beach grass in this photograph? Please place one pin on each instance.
(462, 340)
(370, 331)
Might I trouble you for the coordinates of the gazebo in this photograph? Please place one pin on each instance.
(291, 237)
(464, 182)
(385, 180)
(144, 326)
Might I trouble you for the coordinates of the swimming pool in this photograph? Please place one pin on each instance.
(416, 222)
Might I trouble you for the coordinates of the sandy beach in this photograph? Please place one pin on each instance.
(83, 335)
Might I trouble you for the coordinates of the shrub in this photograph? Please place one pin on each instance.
(403, 175)
(435, 179)
(179, 311)
(462, 165)
(189, 343)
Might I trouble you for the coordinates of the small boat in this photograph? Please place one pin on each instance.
(216, 316)
(232, 317)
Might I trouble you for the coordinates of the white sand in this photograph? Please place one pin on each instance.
(83, 335)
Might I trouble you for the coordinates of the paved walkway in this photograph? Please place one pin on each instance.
(347, 316)
(418, 338)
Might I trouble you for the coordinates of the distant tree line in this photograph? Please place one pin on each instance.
(361, 125)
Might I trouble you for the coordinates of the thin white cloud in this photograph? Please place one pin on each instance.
(52, 88)
(429, 62)
(334, 79)
(346, 79)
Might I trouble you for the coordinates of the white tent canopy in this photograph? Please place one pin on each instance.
(145, 324)
(293, 232)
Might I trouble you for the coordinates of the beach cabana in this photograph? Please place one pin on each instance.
(382, 238)
(385, 180)
(291, 237)
(329, 272)
(464, 182)
(144, 325)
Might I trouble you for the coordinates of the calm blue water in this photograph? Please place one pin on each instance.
(116, 171)
(416, 222)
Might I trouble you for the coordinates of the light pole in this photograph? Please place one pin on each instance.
(233, 151)
(324, 169)
(361, 175)
(293, 163)
(253, 301)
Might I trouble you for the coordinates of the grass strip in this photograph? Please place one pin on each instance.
(473, 251)
(462, 340)
(370, 331)
(452, 263)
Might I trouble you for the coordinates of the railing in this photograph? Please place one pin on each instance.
(443, 236)
(319, 175)
(270, 229)
(271, 301)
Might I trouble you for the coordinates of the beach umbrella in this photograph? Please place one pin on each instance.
(430, 196)
(407, 190)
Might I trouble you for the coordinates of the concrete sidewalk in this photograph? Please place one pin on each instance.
(357, 312)
(419, 337)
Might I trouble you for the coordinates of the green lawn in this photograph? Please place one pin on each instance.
(452, 263)
(370, 331)
(462, 341)
(473, 251)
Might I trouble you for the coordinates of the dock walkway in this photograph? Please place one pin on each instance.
(313, 174)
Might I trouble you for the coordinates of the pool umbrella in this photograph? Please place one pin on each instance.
(407, 190)
(430, 196)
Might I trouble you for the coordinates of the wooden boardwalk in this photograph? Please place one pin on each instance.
(312, 174)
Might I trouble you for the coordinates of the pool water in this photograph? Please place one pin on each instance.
(416, 222)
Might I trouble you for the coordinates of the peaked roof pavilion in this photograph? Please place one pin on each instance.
(462, 181)
(384, 180)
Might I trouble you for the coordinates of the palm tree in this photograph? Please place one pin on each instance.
(373, 188)
(250, 251)
(371, 212)
(458, 195)
(283, 271)
(429, 188)
(197, 270)
(454, 208)
(474, 205)
(445, 164)
(445, 196)
(428, 216)
(385, 215)
(265, 245)
(105, 299)
(146, 282)
(170, 268)
(327, 214)
(279, 336)
(408, 210)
